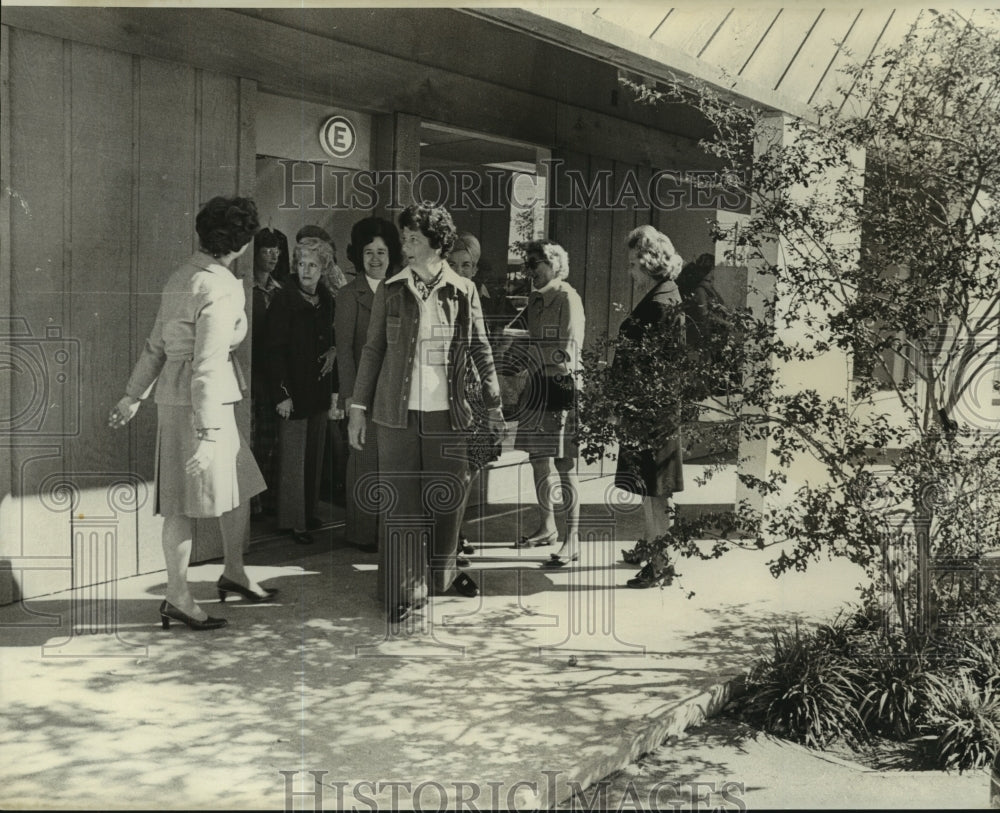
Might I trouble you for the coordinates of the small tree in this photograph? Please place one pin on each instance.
(914, 303)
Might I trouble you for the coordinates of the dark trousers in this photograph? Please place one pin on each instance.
(424, 477)
(300, 467)
(362, 515)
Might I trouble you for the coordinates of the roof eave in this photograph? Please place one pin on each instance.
(586, 33)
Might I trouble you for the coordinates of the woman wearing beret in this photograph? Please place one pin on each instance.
(204, 467)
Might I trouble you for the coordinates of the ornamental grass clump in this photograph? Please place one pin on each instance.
(963, 725)
(804, 692)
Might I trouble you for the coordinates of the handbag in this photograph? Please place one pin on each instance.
(483, 442)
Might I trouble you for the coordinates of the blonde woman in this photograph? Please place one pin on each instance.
(655, 472)
(303, 384)
(546, 412)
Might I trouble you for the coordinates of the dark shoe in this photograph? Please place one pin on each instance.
(537, 541)
(168, 611)
(225, 586)
(648, 577)
(302, 537)
(555, 560)
(314, 523)
(400, 613)
(465, 586)
(461, 561)
(464, 546)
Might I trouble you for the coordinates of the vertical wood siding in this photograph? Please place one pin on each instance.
(108, 157)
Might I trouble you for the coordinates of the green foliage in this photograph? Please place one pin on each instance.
(963, 725)
(804, 692)
(850, 680)
(894, 263)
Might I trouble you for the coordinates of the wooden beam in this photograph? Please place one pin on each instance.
(585, 32)
(242, 45)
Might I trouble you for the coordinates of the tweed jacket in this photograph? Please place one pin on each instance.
(555, 323)
(354, 313)
(382, 384)
(200, 322)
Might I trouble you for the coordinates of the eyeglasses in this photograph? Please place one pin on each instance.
(533, 262)
(271, 252)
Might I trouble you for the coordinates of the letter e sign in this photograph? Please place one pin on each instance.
(338, 137)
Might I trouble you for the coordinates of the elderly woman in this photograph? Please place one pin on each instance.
(204, 467)
(554, 321)
(299, 336)
(425, 340)
(374, 250)
(654, 472)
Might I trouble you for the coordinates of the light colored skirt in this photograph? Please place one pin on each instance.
(230, 480)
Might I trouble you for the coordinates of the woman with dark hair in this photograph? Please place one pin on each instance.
(204, 467)
(655, 471)
(546, 413)
(375, 251)
(263, 421)
(425, 341)
(299, 337)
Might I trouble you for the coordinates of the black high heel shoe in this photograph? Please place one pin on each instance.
(465, 586)
(225, 586)
(650, 577)
(168, 611)
(556, 560)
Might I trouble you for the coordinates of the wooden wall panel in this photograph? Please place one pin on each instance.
(98, 282)
(168, 197)
(37, 530)
(568, 220)
(6, 474)
(601, 254)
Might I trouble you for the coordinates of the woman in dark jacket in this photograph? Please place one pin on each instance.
(426, 339)
(375, 251)
(299, 337)
(654, 472)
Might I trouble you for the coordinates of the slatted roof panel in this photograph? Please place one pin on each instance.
(795, 51)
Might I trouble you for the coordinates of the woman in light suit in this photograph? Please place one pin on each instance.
(204, 467)
(425, 340)
(375, 251)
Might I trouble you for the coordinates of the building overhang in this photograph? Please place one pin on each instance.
(580, 30)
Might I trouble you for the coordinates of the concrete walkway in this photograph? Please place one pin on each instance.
(547, 683)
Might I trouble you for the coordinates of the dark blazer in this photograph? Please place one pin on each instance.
(653, 309)
(297, 335)
(354, 313)
(659, 471)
